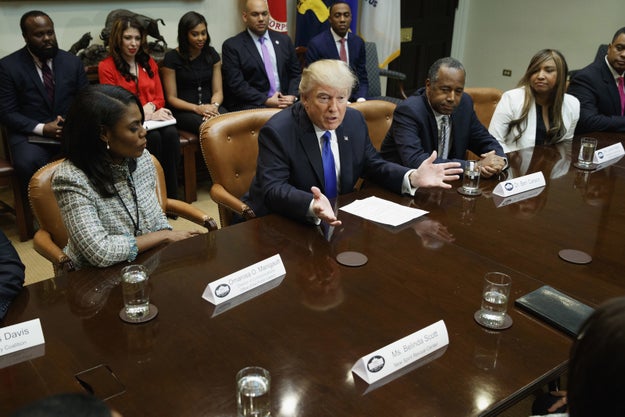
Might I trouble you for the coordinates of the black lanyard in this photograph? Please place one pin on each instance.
(131, 185)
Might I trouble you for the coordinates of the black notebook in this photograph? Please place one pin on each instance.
(556, 308)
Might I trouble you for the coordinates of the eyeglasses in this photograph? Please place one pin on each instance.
(325, 99)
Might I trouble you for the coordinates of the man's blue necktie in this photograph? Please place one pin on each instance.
(329, 170)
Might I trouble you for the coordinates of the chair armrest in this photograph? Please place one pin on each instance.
(395, 75)
(193, 214)
(222, 197)
(470, 156)
(45, 246)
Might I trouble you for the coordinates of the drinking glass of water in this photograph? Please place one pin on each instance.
(136, 294)
(471, 179)
(495, 294)
(587, 149)
(253, 399)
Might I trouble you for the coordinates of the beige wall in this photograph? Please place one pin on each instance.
(498, 34)
(489, 35)
(74, 18)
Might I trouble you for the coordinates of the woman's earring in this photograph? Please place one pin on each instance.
(107, 146)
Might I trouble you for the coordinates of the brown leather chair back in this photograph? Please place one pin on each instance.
(229, 143)
(485, 101)
(44, 203)
(379, 117)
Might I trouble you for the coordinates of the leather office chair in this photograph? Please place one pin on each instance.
(374, 72)
(485, 101)
(20, 208)
(189, 145)
(379, 117)
(52, 235)
(229, 143)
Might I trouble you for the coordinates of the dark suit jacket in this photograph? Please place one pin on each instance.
(245, 81)
(289, 162)
(413, 135)
(600, 104)
(23, 99)
(323, 46)
(11, 274)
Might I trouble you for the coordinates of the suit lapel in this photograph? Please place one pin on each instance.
(433, 125)
(251, 49)
(346, 157)
(615, 99)
(30, 68)
(334, 53)
(310, 144)
(351, 47)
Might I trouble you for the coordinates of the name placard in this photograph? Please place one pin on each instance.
(233, 302)
(244, 280)
(20, 336)
(504, 201)
(399, 354)
(609, 152)
(521, 184)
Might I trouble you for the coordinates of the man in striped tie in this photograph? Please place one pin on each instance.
(37, 85)
(339, 43)
(319, 148)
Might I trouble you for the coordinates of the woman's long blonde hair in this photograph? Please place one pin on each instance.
(557, 129)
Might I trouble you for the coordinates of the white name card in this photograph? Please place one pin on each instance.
(518, 185)
(609, 152)
(20, 336)
(397, 355)
(504, 201)
(244, 280)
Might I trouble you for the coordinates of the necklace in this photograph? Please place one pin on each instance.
(131, 185)
(198, 77)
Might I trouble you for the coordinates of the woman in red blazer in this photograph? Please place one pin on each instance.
(130, 66)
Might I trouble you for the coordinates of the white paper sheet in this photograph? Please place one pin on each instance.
(383, 211)
(157, 124)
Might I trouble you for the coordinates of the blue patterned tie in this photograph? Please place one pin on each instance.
(329, 170)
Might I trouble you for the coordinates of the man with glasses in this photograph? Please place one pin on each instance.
(318, 148)
(260, 67)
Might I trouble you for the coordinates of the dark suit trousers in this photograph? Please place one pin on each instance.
(29, 157)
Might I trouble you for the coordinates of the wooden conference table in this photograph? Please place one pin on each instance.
(310, 329)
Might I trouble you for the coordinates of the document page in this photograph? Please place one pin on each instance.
(157, 124)
(383, 211)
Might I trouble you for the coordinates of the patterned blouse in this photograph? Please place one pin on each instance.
(101, 230)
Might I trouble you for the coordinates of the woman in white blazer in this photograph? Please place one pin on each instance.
(538, 111)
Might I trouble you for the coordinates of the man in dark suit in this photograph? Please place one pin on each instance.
(260, 67)
(420, 122)
(329, 43)
(319, 148)
(11, 274)
(32, 113)
(597, 89)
